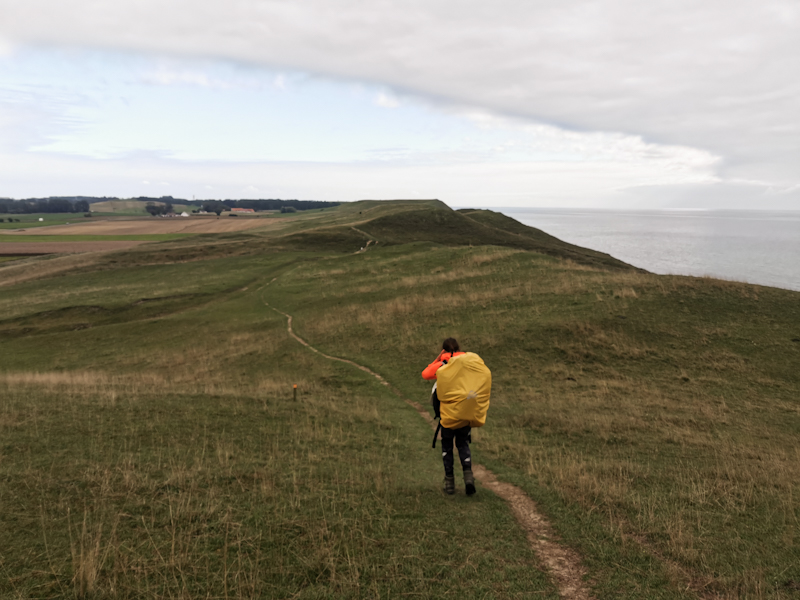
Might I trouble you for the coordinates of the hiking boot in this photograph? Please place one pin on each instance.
(469, 482)
(449, 485)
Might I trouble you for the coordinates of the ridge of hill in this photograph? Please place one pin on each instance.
(432, 221)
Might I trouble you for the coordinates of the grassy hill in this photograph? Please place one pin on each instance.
(151, 445)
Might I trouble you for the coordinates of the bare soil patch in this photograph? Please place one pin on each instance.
(152, 225)
(33, 248)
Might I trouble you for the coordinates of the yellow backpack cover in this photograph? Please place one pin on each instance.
(464, 386)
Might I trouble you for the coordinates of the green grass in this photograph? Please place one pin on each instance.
(147, 393)
(167, 457)
(149, 237)
(667, 404)
(32, 220)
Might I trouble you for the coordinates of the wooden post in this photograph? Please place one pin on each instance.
(294, 389)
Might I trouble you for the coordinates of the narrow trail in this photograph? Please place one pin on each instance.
(370, 241)
(562, 563)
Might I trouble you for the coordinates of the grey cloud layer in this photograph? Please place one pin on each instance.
(716, 75)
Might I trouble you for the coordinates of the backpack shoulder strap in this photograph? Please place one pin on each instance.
(436, 434)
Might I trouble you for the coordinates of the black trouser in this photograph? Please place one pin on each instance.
(462, 438)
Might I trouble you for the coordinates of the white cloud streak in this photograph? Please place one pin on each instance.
(715, 76)
(465, 183)
(5, 47)
(387, 100)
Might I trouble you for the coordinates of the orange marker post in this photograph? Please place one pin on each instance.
(295, 392)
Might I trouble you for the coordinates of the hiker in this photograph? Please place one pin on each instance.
(458, 406)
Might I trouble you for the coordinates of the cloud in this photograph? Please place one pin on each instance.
(168, 72)
(6, 48)
(716, 76)
(386, 100)
(596, 145)
(166, 76)
(481, 184)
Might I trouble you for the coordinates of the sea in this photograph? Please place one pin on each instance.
(761, 247)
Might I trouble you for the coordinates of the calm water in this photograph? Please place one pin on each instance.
(753, 246)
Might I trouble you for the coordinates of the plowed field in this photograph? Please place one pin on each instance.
(150, 225)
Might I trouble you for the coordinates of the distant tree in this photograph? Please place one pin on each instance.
(87, 214)
(215, 206)
(168, 208)
(81, 206)
(56, 205)
(154, 209)
(288, 209)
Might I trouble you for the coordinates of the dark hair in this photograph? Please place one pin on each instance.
(450, 345)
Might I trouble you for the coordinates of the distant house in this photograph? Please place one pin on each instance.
(184, 214)
(243, 210)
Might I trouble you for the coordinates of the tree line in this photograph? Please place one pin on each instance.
(43, 205)
(75, 204)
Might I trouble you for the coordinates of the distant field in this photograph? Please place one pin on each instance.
(39, 239)
(32, 220)
(132, 207)
(155, 226)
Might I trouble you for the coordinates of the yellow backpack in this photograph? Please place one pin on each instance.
(464, 386)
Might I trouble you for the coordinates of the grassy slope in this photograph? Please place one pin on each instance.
(667, 405)
(653, 418)
(153, 449)
(433, 221)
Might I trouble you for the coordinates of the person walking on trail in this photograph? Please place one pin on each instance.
(460, 400)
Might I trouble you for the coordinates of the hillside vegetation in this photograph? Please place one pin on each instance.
(151, 445)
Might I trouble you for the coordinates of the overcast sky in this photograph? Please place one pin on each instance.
(505, 103)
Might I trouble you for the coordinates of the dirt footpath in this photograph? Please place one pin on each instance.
(151, 225)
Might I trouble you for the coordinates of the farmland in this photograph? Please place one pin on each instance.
(151, 226)
(152, 446)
